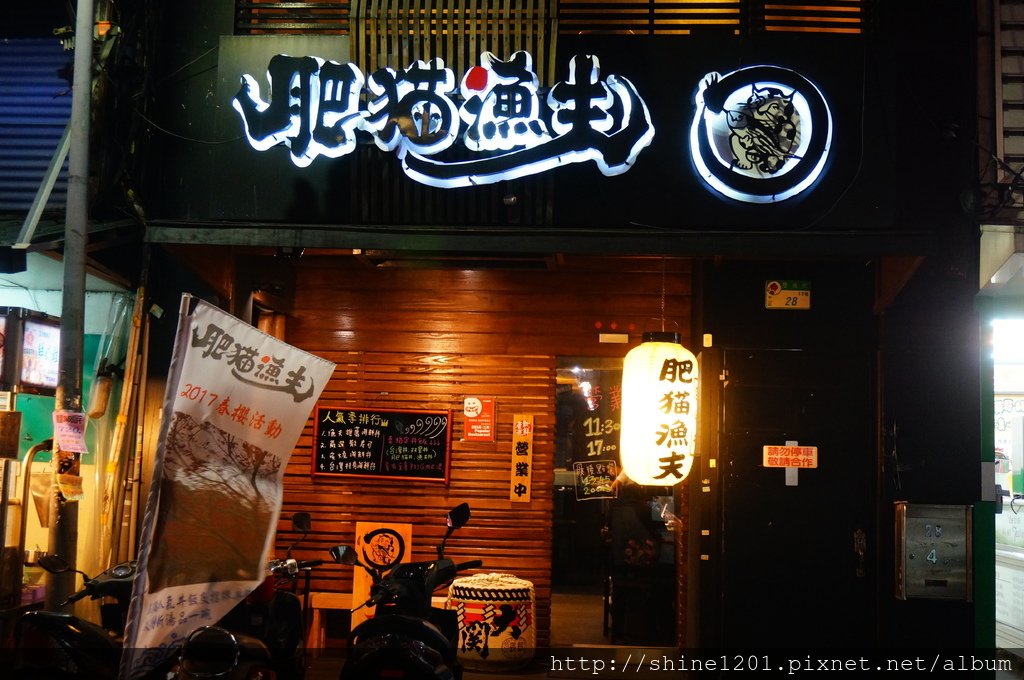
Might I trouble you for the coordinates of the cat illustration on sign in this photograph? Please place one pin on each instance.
(765, 130)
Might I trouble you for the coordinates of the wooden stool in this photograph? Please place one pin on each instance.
(316, 638)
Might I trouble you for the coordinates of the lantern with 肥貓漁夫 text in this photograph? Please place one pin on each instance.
(659, 410)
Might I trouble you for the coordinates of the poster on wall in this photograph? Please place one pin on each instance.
(69, 431)
(479, 423)
(237, 400)
(40, 354)
(383, 443)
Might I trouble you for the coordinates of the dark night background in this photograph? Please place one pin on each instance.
(35, 19)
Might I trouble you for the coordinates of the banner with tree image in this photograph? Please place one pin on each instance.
(236, 402)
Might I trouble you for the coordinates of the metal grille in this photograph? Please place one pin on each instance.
(35, 105)
(255, 17)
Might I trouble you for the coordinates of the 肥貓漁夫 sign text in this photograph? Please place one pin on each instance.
(317, 107)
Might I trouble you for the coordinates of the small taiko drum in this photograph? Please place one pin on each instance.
(496, 615)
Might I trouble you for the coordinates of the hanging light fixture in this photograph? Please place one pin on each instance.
(659, 408)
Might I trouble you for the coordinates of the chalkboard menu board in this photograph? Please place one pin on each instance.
(389, 444)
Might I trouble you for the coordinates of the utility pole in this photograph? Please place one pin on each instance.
(67, 465)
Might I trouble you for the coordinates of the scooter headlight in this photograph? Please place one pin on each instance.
(209, 652)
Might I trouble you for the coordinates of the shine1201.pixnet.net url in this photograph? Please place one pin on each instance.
(646, 662)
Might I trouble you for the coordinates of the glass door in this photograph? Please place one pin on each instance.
(1008, 421)
(613, 558)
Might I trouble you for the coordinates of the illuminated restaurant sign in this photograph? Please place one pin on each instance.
(315, 110)
(761, 134)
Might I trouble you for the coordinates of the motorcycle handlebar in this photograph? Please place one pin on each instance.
(291, 567)
(75, 597)
(380, 593)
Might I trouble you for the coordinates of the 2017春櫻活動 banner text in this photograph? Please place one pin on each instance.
(237, 400)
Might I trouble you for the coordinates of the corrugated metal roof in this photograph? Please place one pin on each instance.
(35, 105)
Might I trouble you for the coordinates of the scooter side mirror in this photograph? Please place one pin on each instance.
(301, 522)
(458, 516)
(55, 564)
(344, 554)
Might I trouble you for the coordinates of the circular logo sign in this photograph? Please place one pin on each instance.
(382, 548)
(760, 134)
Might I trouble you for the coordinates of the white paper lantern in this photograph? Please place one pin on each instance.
(659, 410)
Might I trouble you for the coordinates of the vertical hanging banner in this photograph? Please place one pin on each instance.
(522, 458)
(236, 402)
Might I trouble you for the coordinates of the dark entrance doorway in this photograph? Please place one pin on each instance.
(613, 558)
(798, 546)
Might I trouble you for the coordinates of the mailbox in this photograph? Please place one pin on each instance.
(933, 551)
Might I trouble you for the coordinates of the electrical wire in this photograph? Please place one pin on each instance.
(1005, 190)
(188, 63)
(164, 130)
(7, 283)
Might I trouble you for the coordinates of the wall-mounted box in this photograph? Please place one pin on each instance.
(933, 551)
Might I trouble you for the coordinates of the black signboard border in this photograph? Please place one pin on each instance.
(318, 410)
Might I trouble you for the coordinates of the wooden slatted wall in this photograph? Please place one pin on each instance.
(428, 20)
(397, 32)
(801, 16)
(380, 193)
(648, 17)
(686, 17)
(417, 338)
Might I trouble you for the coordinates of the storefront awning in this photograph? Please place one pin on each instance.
(623, 240)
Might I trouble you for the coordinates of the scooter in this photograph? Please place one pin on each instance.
(407, 637)
(263, 635)
(60, 645)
